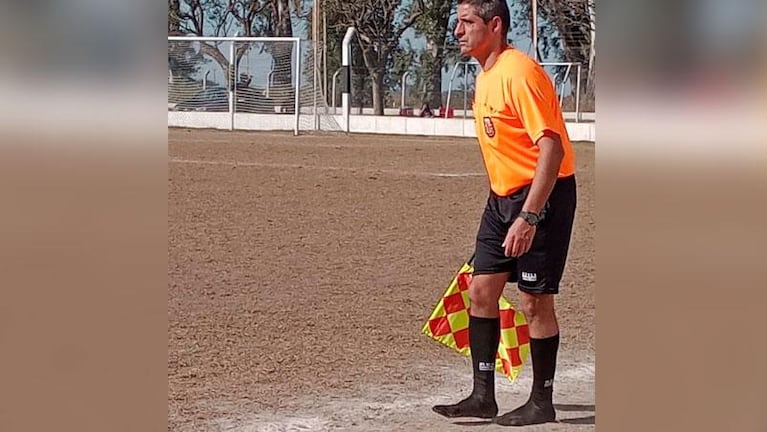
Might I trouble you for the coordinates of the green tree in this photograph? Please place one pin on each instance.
(174, 22)
(333, 45)
(183, 60)
(271, 18)
(206, 18)
(566, 30)
(403, 60)
(435, 26)
(380, 25)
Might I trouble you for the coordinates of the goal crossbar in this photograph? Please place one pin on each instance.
(233, 39)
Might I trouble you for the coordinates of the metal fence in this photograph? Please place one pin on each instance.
(458, 83)
(233, 76)
(242, 76)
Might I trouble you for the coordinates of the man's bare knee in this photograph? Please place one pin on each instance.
(484, 292)
(537, 306)
(481, 298)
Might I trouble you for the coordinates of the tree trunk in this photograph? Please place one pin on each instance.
(431, 62)
(283, 92)
(436, 35)
(588, 95)
(360, 91)
(377, 77)
(283, 89)
(221, 59)
(593, 28)
(174, 25)
(573, 22)
(376, 66)
(591, 81)
(434, 71)
(283, 27)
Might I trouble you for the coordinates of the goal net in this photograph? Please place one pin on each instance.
(246, 83)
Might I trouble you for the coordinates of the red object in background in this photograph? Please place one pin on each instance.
(449, 112)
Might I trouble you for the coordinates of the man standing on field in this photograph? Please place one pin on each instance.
(524, 233)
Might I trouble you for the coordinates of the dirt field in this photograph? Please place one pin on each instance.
(301, 270)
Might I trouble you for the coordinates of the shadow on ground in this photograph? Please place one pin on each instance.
(590, 420)
(574, 407)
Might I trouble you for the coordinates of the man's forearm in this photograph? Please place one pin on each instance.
(545, 173)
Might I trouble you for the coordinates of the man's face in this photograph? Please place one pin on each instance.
(473, 34)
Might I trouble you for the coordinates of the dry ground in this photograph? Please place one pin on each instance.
(301, 270)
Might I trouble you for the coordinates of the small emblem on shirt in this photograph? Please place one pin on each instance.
(489, 128)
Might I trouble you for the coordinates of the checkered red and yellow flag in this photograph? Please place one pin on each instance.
(449, 325)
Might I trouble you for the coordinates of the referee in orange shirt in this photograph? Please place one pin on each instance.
(524, 233)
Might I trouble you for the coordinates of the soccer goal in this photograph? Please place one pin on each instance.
(253, 83)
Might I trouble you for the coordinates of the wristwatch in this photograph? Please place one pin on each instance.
(530, 217)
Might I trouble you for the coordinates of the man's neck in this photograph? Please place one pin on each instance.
(489, 60)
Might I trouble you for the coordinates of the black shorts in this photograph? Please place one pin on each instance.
(538, 271)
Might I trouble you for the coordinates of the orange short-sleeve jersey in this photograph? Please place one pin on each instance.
(515, 104)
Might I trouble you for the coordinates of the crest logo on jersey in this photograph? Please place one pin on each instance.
(489, 127)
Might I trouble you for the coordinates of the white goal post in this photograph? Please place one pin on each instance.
(263, 83)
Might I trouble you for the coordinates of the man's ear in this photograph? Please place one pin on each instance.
(497, 24)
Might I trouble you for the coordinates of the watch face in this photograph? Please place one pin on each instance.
(530, 218)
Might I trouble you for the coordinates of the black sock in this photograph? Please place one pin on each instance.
(484, 334)
(539, 407)
(543, 354)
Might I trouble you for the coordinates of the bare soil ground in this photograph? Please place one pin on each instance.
(301, 270)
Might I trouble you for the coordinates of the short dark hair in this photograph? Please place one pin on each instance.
(487, 9)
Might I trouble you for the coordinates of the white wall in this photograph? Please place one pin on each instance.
(389, 125)
(458, 112)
